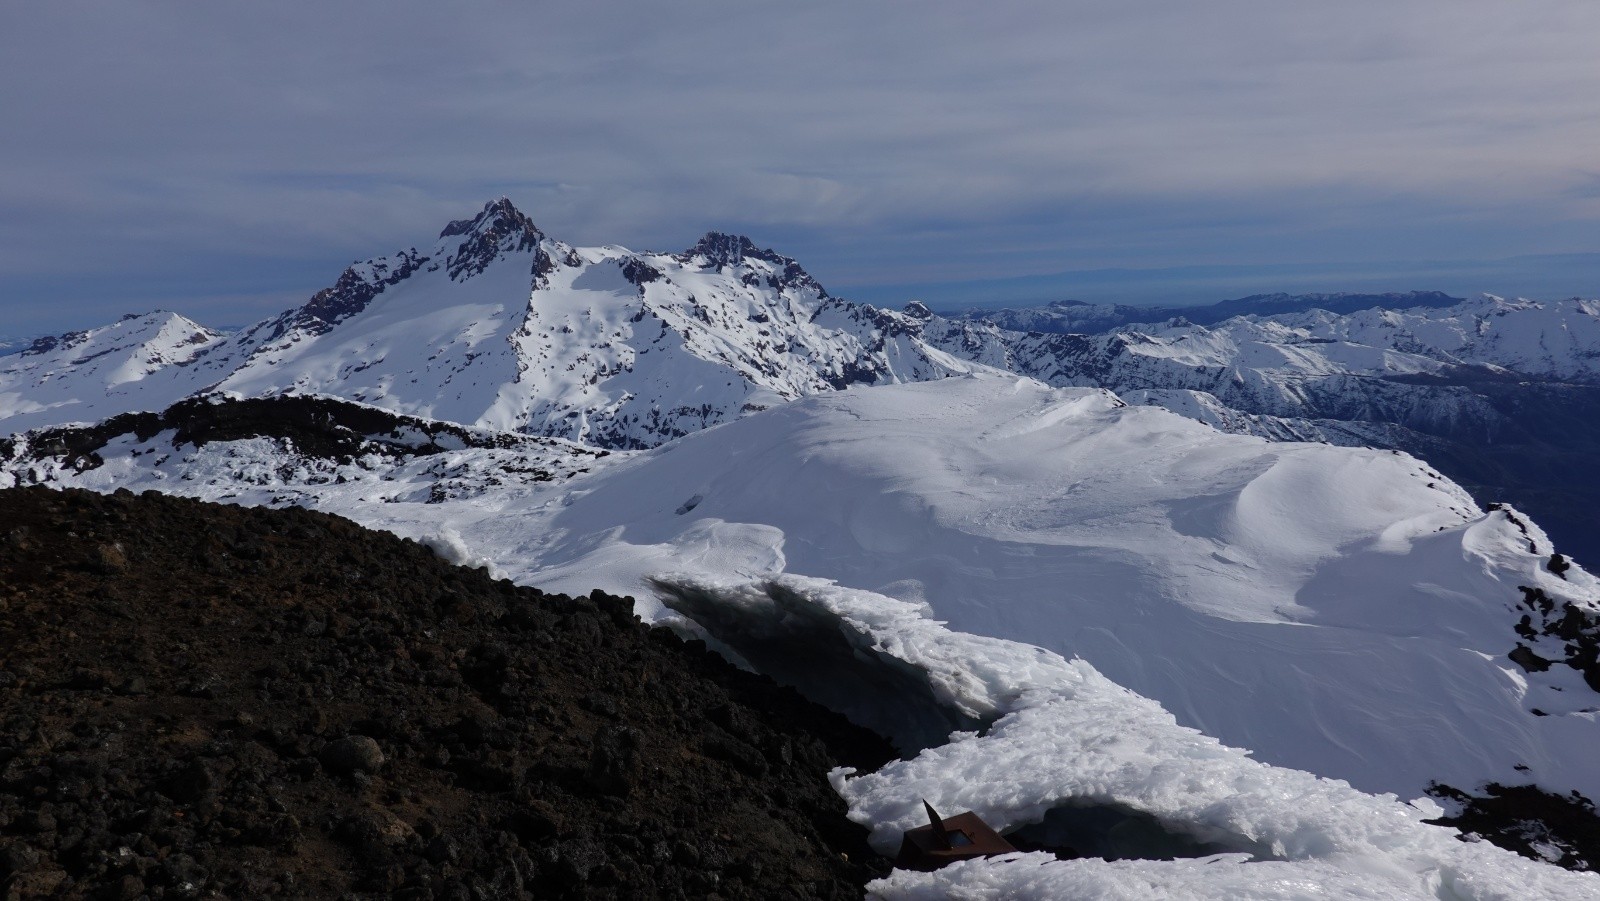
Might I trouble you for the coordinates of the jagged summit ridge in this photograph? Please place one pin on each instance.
(498, 325)
(499, 229)
(722, 249)
(499, 215)
(466, 247)
(719, 249)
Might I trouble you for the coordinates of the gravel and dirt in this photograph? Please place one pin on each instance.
(201, 701)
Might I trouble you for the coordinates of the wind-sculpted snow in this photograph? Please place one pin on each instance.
(866, 656)
(501, 326)
(1059, 737)
(1338, 610)
(1225, 877)
(1500, 395)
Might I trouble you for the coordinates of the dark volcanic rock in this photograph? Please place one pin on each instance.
(174, 728)
(350, 755)
(1561, 829)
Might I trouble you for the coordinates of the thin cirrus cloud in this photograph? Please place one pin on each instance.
(172, 151)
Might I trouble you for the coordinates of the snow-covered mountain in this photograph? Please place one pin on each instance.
(88, 375)
(1557, 340)
(498, 325)
(1375, 365)
(1489, 370)
(501, 326)
(1343, 611)
(1552, 340)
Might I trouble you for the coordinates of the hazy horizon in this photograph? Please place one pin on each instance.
(1548, 277)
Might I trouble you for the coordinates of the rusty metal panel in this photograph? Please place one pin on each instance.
(948, 839)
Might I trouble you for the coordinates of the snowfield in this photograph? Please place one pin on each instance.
(1071, 741)
(1338, 610)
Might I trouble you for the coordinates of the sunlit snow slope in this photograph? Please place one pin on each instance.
(1339, 610)
(89, 375)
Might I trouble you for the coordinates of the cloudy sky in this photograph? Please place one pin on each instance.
(227, 159)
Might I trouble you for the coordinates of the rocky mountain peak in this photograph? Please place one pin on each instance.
(722, 249)
(354, 290)
(501, 228)
(47, 343)
(140, 325)
(499, 217)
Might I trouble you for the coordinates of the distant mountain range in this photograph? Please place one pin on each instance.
(1502, 395)
(1069, 316)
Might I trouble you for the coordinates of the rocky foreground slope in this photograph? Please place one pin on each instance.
(200, 700)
